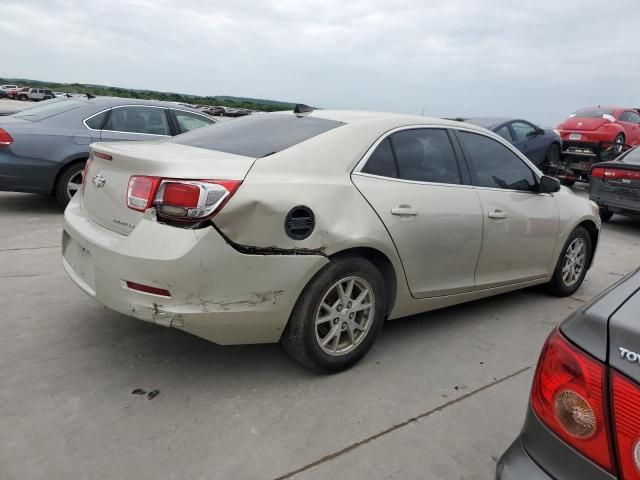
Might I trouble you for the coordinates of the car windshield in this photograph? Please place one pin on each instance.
(256, 135)
(48, 108)
(593, 113)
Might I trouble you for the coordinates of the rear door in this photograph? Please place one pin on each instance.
(414, 181)
(136, 122)
(520, 225)
(630, 120)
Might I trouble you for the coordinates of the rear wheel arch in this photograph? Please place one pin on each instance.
(65, 165)
(382, 263)
(594, 234)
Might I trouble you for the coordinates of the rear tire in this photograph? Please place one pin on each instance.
(619, 141)
(572, 265)
(69, 182)
(331, 328)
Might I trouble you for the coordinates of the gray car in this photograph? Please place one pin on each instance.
(542, 146)
(583, 420)
(44, 149)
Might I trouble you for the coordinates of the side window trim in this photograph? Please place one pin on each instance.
(104, 121)
(463, 168)
(502, 142)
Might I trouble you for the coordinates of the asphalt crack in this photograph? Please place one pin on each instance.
(400, 425)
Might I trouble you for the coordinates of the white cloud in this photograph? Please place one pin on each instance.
(461, 57)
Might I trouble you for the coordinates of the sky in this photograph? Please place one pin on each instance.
(539, 60)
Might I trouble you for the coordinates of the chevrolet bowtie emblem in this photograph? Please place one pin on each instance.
(98, 180)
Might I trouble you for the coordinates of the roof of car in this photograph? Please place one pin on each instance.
(114, 101)
(489, 122)
(358, 116)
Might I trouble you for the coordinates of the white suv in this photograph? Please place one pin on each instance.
(35, 94)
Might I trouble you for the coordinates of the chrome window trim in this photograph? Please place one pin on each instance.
(489, 134)
(119, 131)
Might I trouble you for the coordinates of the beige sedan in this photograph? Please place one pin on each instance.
(312, 228)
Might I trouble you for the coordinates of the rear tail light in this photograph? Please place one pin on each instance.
(626, 398)
(615, 174)
(568, 396)
(180, 200)
(5, 138)
(140, 192)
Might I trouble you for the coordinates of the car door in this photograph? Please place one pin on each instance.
(520, 224)
(527, 139)
(414, 181)
(631, 122)
(136, 122)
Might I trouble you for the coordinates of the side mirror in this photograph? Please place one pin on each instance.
(549, 184)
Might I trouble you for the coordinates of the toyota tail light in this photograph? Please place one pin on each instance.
(626, 398)
(568, 395)
(603, 173)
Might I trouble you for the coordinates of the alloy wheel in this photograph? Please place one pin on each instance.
(574, 262)
(344, 316)
(74, 184)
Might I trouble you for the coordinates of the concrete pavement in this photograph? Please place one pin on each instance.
(440, 395)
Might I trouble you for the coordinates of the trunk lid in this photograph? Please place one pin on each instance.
(624, 335)
(583, 124)
(625, 184)
(105, 192)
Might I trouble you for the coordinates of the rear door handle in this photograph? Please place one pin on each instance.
(404, 210)
(497, 214)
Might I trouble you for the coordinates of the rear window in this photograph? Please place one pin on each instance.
(48, 108)
(593, 113)
(632, 157)
(256, 135)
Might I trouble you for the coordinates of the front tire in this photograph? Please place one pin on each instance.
(619, 141)
(69, 182)
(338, 316)
(572, 264)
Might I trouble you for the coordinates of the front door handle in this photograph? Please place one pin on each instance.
(497, 215)
(404, 210)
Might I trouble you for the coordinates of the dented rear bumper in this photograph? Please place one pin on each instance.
(217, 292)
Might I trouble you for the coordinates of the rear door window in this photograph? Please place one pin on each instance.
(381, 162)
(147, 120)
(523, 130)
(257, 135)
(425, 155)
(97, 121)
(494, 165)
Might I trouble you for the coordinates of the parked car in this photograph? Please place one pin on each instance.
(236, 112)
(6, 88)
(212, 110)
(541, 146)
(615, 185)
(34, 94)
(311, 228)
(597, 134)
(3, 94)
(583, 420)
(14, 92)
(43, 149)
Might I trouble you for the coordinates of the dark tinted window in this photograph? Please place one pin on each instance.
(523, 130)
(496, 166)
(631, 157)
(149, 120)
(257, 135)
(425, 155)
(592, 112)
(630, 117)
(97, 121)
(381, 161)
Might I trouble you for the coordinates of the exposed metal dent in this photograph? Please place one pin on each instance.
(271, 250)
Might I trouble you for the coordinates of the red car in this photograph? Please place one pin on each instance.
(596, 134)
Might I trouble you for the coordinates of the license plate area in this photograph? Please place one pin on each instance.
(575, 136)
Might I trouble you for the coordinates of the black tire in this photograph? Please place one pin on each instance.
(61, 192)
(22, 98)
(620, 139)
(553, 155)
(558, 286)
(300, 339)
(568, 183)
(605, 214)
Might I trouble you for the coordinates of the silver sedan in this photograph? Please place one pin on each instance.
(312, 228)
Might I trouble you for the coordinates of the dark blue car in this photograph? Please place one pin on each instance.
(542, 146)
